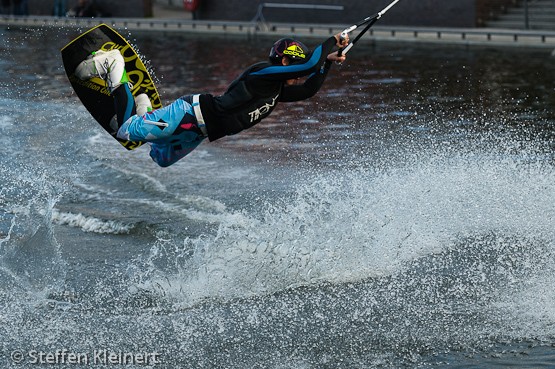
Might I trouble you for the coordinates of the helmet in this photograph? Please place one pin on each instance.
(295, 50)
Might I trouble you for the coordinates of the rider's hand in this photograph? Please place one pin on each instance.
(333, 57)
(341, 43)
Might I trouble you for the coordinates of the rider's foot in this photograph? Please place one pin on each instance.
(108, 65)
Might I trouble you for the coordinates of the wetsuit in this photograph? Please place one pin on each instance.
(174, 131)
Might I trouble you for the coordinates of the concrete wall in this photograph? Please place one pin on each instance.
(178, 3)
(431, 13)
(119, 8)
(427, 13)
(487, 10)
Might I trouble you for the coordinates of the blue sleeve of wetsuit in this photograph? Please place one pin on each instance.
(312, 65)
(307, 89)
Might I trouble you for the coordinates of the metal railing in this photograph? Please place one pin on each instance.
(260, 17)
(135, 23)
(469, 36)
(425, 33)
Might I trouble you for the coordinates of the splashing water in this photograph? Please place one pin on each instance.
(29, 252)
(417, 230)
(349, 227)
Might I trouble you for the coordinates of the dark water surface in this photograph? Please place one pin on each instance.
(403, 217)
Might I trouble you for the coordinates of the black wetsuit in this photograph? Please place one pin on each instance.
(255, 94)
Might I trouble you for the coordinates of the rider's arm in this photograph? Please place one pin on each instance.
(307, 89)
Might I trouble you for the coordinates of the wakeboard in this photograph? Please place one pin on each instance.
(93, 93)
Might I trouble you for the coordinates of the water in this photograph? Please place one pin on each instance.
(404, 217)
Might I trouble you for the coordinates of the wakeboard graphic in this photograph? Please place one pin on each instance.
(93, 93)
